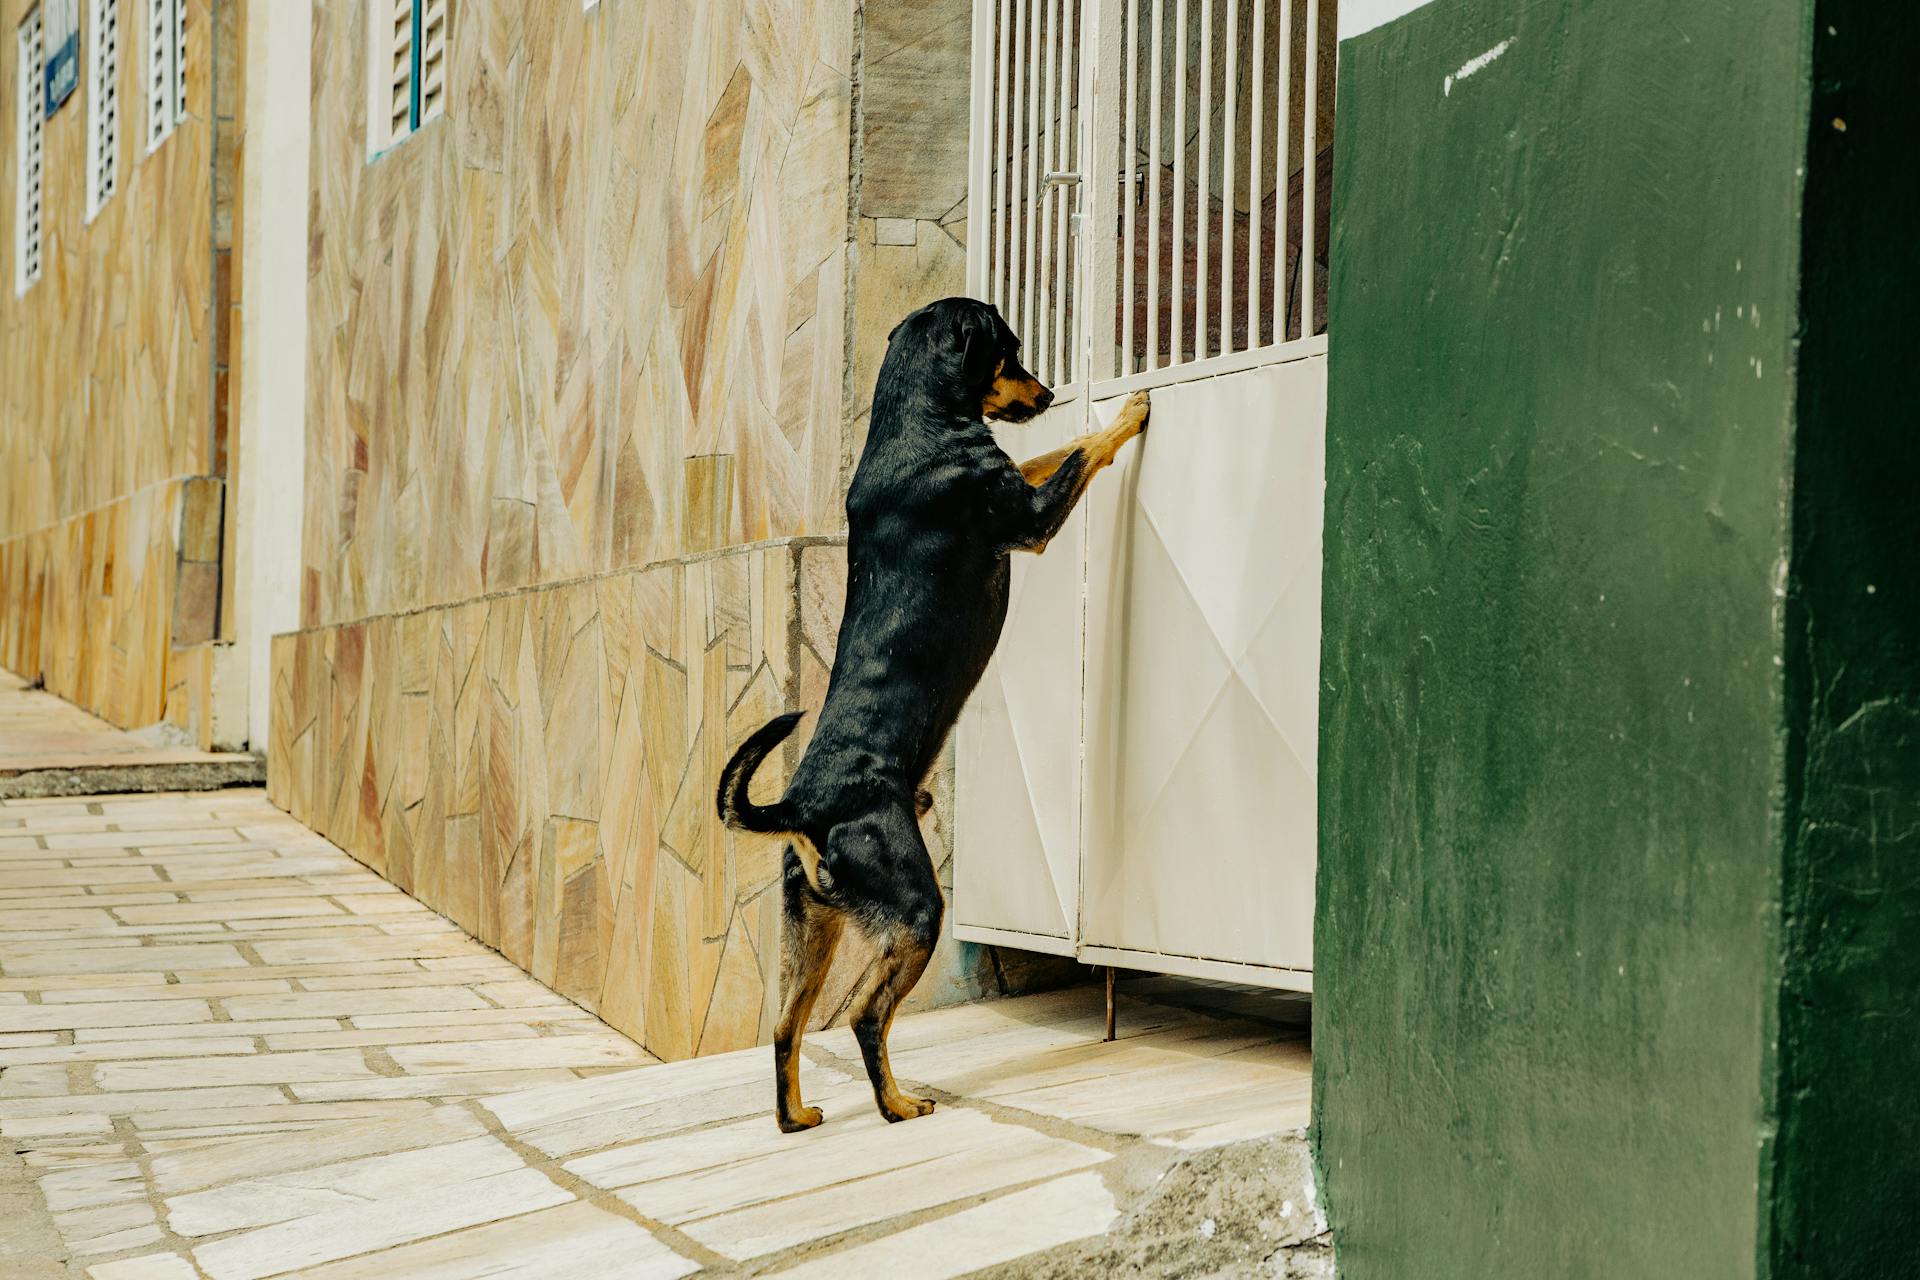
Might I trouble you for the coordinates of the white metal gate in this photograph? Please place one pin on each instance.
(1150, 159)
(1148, 207)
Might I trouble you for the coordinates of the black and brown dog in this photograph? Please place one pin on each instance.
(933, 512)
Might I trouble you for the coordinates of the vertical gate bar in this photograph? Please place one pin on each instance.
(996, 247)
(1030, 212)
(1100, 80)
(979, 148)
(1152, 353)
(1202, 316)
(1256, 196)
(1179, 182)
(1309, 164)
(1016, 156)
(1006, 139)
(1038, 341)
(1130, 58)
(1062, 347)
(1230, 145)
(1283, 174)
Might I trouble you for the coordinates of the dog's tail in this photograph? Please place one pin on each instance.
(736, 810)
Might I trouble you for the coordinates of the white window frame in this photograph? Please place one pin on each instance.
(397, 107)
(29, 232)
(103, 105)
(166, 69)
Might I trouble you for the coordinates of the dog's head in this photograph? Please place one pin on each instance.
(979, 355)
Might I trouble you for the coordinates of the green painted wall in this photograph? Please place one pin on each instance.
(1552, 730)
(1848, 1153)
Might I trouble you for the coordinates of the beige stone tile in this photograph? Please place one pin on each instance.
(461, 1085)
(186, 1127)
(16, 919)
(340, 1004)
(341, 1038)
(119, 1241)
(882, 1179)
(81, 1228)
(360, 1229)
(187, 1031)
(213, 1166)
(171, 991)
(88, 1184)
(159, 1266)
(67, 900)
(81, 1105)
(34, 1080)
(1012, 1226)
(90, 841)
(259, 1202)
(29, 1129)
(393, 981)
(575, 1241)
(329, 951)
(108, 1050)
(28, 1039)
(371, 904)
(550, 1015)
(245, 909)
(521, 994)
(63, 1017)
(495, 1055)
(21, 963)
(73, 981)
(262, 1068)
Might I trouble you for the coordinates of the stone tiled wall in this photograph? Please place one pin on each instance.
(108, 399)
(591, 319)
(587, 369)
(540, 766)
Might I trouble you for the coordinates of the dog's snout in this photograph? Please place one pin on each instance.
(1041, 401)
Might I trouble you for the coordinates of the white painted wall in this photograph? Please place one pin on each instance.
(1359, 16)
(272, 438)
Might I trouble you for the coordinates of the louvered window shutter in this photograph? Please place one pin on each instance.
(103, 109)
(32, 126)
(432, 62)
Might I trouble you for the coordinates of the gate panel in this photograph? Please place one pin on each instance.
(1018, 780)
(1148, 208)
(1202, 663)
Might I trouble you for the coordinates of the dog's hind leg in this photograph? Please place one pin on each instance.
(809, 931)
(901, 917)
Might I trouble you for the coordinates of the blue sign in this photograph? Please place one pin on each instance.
(60, 28)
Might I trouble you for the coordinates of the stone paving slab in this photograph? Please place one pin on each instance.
(196, 1091)
(49, 747)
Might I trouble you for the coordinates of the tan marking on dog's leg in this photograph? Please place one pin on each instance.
(1037, 471)
(1101, 447)
(882, 989)
(810, 930)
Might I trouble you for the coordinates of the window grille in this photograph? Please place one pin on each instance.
(103, 105)
(1150, 179)
(409, 69)
(31, 70)
(166, 68)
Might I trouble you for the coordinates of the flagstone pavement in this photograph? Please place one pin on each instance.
(229, 1051)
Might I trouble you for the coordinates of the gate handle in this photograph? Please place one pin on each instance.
(1061, 178)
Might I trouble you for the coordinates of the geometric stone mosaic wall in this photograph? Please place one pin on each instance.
(587, 366)
(591, 319)
(107, 394)
(88, 605)
(539, 767)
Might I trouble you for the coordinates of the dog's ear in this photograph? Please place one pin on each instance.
(978, 338)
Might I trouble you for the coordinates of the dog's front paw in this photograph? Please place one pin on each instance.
(1133, 414)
